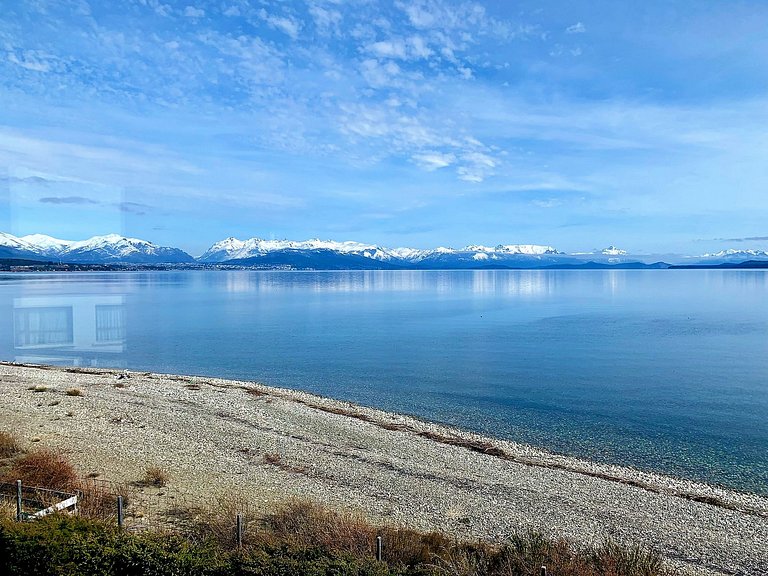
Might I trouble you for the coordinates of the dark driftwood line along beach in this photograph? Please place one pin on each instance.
(212, 436)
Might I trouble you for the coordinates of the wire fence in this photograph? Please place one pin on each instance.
(144, 507)
(26, 501)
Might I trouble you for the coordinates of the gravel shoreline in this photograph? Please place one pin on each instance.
(212, 434)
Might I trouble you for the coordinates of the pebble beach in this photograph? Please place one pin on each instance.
(272, 444)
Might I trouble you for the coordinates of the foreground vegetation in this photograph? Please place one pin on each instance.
(62, 545)
(298, 537)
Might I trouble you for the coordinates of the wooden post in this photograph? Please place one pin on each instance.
(378, 548)
(239, 523)
(18, 501)
(120, 512)
(543, 571)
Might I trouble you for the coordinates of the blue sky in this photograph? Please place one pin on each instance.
(421, 123)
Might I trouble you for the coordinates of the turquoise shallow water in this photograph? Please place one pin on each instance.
(664, 370)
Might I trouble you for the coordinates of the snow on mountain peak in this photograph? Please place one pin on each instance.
(234, 249)
(526, 249)
(12, 241)
(732, 253)
(522, 249)
(613, 251)
(98, 249)
(45, 242)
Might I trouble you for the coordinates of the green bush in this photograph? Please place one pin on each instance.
(61, 545)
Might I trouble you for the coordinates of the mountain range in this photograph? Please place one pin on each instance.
(331, 255)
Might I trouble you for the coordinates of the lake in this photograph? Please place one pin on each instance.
(664, 370)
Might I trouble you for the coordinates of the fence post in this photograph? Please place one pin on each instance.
(120, 512)
(18, 501)
(543, 571)
(239, 524)
(378, 548)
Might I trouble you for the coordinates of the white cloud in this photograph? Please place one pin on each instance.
(412, 48)
(378, 74)
(418, 48)
(286, 25)
(326, 21)
(387, 49)
(434, 160)
(32, 60)
(159, 8)
(192, 12)
(476, 167)
(437, 14)
(465, 72)
(249, 63)
(232, 11)
(549, 203)
(577, 28)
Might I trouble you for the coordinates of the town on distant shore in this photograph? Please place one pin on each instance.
(113, 252)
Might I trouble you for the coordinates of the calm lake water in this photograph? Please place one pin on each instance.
(664, 370)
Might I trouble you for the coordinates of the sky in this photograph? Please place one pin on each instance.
(416, 123)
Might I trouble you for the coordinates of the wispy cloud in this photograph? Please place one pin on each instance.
(746, 239)
(39, 180)
(134, 208)
(434, 160)
(577, 28)
(67, 200)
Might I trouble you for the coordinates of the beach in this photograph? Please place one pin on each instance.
(270, 444)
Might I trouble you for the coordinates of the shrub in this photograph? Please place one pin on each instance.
(44, 469)
(613, 558)
(217, 521)
(9, 446)
(155, 476)
(63, 545)
(75, 392)
(307, 525)
(99, 500)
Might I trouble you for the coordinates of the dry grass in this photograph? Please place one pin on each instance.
(75, 392)
(9, 446)
(44, 469)
(273, 458)
(155, 476)
(218, 521)
(7, 509)
(308, 525)
(99, 500)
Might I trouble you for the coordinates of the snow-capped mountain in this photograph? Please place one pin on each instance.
(352, 255)
(13, 247)
(47, 245)
(234, 249)
(613, 251)
(522, 249)
(732, 255)
(97, 250)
